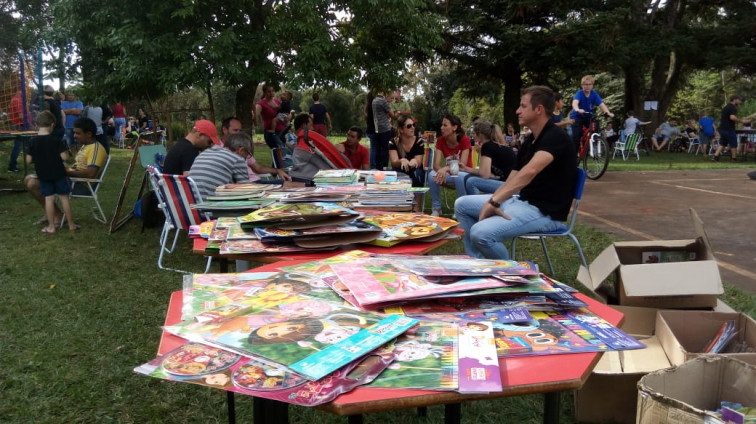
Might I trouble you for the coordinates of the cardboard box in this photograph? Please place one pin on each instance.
(669, 285)
(685, 393)
(611, 391)
(684, 334)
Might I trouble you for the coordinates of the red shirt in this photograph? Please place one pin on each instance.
(17, 111)
(118, 111)
(359, 157)
(464, 144)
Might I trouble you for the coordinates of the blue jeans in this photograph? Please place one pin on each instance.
(477, 185)
(69, 138)
(435, 189)
(373, 148)
(485, 239)
(272, 140)
(119, 124)
(18, 144)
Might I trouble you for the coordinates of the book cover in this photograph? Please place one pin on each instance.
(478, 361)
(235, 247)
(213, 367)
(655, 257)
(612, 336)
(398, 227)
(281, 213)
(456, 266)
(425, 357)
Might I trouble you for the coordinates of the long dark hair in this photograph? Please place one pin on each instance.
(401, 121)
(369, 103)
(454, 120)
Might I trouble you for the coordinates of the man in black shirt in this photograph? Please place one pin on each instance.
(180, 158)
(544, 175)
(727, 122)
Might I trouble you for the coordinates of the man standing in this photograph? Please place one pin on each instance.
(233, 125)
(544, 175)
(319, 114)
(399, 106)
(357, 154)
(727, 122)
(72, 108)
(222, 165)
(382, 114)
(180, 158)
(88, 163)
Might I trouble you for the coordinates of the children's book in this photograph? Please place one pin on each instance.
(655, 257)
(278, 235)
(321, 196)
(213, 367)
(726, 332)
(425, 357)
(478, 362)
(444, 266)
(307, 214)
(399, 227)
(236, 205)
(226, 221)
(612, 336)
(244, 188)
(333, 357)
(236, 232)
(503, 316)
(235, 247)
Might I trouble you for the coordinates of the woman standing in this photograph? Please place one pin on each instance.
(453, 145)
(119, 118)
(406, 155)
(496, 160)
(266, 109)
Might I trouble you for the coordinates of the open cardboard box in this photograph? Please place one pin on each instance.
(686, 394)
(610, 392)
(683, 334)
(693, 283)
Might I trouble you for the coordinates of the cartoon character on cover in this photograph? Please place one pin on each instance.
(540, 335)
(286, 311)
(413, 350)
(220, 380)
(327, 330)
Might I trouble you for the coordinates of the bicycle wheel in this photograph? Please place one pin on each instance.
(596, 159)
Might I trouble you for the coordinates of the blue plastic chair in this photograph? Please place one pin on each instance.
(563, 232)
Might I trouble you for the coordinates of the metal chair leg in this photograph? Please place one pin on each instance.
(546, 252)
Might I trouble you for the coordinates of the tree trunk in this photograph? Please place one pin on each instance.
(245, 105)
(512, 91)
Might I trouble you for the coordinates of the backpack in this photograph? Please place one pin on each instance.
(152, 215)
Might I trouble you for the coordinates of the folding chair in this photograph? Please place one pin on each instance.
(563, 232)
(628, 146)
(693, 142)
(92, 185)
(176, 194)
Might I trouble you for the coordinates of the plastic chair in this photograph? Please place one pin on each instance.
(693, 142)
(563, 232)
(92, 185)
(176, 194)
(628, 146)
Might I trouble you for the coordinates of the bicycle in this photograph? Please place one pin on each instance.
(594, 150)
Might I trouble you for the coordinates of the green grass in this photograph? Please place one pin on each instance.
(81, 310)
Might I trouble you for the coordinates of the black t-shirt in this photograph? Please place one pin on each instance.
(144, 121)
(502, 159)
(726, 123)
(45, 151)
(318, 112)
(180, 158)
(417, 149)
(552, 189)
(53, 106)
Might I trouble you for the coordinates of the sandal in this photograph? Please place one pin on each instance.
(47, 231)
(76, 227)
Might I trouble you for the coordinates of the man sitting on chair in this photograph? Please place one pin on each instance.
(544, 175)
(180, 158)
(222, 165)
(89, 161)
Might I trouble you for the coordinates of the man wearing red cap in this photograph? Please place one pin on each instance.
(180, 158)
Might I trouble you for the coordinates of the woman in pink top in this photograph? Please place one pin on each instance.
(266, 109)
(119, 118)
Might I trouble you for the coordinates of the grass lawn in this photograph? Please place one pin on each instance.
(81, 310)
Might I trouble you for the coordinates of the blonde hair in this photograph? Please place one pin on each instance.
(491, 132)
(589, 79)
(45, 119)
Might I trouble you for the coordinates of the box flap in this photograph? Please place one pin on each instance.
(638, 322)
(672, 279)
(646, 360)
(701, 232)
(601, 268)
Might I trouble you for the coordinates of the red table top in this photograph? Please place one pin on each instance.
(519, 375)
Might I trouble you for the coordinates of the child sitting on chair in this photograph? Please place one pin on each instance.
(48, 152)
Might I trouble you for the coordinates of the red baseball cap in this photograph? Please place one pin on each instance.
(208, 128)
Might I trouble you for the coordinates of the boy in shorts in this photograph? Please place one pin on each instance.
(47, 152)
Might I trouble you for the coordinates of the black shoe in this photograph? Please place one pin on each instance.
(715, 158)
(14, 170)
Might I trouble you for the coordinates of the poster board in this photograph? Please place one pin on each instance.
(146, 155)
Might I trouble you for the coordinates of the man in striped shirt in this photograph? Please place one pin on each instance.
(222, 165)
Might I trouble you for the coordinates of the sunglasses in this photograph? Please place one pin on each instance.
(408, 126)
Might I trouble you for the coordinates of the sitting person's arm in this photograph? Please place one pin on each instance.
(262, 169)
(516, 181)
(484, 171)
(88, 172)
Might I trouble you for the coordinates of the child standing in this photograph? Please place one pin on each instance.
(48, 152)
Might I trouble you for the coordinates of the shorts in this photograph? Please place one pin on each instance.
(660, 137)
(52, 187)
(728, 138)
(705, 139)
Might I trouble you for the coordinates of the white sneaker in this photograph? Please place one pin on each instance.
(436, 212)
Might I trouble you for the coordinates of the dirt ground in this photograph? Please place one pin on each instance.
(655, 206)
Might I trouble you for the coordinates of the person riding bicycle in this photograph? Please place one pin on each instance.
(582, 108)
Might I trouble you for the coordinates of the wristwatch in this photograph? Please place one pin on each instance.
(494, 203)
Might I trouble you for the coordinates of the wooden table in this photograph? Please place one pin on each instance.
(547, 374)
(405, 248)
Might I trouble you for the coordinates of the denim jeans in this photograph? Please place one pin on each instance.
(435, 189)
(272, 140)
(485, 239)
(18, 144)
(119, 124)
(373, 148)
(477, 185)
(69, 138)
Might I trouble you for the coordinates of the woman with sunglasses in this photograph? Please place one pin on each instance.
(406, 155)
(496, 159)
(452, 145)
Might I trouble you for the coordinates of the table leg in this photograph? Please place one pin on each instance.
(231, 406)
(452, 413)
(223, 265)
(551, 404)
(422, 412)
(270, 411)
(355, 419)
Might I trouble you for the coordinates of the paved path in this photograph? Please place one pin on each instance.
(654, 205)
